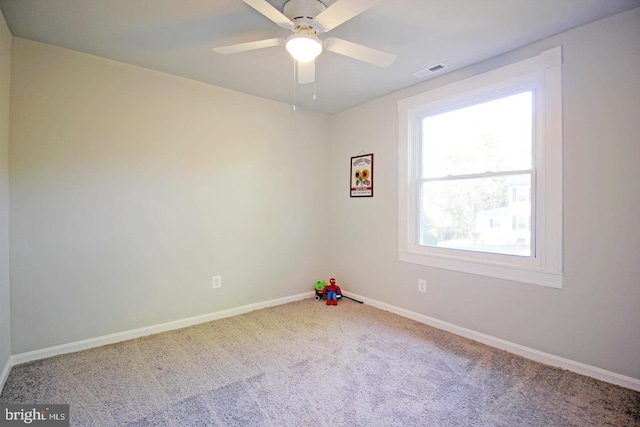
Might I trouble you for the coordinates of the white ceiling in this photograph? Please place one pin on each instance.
(177, 36)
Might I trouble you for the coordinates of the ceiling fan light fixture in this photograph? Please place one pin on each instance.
(304, 46)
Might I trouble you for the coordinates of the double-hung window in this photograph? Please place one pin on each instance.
(481, 174)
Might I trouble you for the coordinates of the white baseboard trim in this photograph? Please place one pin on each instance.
(529, 353)
(30, 356)
(5, 372)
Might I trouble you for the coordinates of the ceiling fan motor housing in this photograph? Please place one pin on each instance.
(302, 12)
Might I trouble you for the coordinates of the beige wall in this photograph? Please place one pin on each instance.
(131, 188)
(595, 318)
(5, 72)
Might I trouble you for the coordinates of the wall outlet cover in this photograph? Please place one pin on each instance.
(216, 282)
(422, 285)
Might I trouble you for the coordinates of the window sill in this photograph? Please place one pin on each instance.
(530, 275)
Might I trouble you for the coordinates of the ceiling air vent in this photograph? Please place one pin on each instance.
(429, 71)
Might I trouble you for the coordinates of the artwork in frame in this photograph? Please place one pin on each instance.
(362, 176)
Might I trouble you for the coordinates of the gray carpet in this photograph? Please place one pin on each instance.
(306, 363)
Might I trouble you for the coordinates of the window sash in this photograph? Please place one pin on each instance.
(510, 249)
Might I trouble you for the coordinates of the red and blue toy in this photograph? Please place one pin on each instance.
(331, 291)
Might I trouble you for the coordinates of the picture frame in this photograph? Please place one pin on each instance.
(361, 181)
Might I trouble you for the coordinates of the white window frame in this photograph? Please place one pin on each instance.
(542, 73)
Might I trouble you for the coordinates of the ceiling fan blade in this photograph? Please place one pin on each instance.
(340, 12)
(359, 52)
(306, 72)
(270, 12)
(260, 44)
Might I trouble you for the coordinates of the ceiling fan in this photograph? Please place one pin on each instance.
(305, 19)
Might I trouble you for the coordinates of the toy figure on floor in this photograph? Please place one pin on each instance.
(332, 291)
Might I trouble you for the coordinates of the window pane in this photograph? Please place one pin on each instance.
(491, 136)
(477, 214)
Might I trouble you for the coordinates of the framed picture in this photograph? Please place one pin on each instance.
(362, 176)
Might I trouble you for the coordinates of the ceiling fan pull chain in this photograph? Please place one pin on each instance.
(295, 82)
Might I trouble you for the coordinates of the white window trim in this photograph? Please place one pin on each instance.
(546, 267)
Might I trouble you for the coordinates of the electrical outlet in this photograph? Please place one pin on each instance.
(422, 286)
(217, 282)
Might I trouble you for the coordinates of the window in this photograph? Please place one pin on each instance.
(481, 174)
(467, 171)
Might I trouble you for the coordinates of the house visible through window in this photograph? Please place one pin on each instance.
(473, 158)
(481, 174)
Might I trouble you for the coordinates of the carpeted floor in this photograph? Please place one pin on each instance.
(306, 363)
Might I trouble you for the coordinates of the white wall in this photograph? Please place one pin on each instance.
(131, 188)
(5, 72)
(595, 318)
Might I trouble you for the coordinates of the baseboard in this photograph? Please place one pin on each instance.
(18, 359)
(529, 353)
(5, 372)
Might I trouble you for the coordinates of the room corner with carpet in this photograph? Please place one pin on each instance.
(124, 189)
(304, 363)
